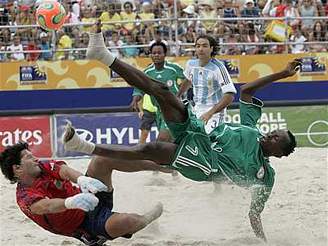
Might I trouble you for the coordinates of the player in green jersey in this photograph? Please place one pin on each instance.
(165, 72)
(237, 153)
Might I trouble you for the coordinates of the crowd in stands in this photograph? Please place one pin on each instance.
(136, 36)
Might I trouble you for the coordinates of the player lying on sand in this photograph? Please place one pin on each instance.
(238, 153)
(46, 195)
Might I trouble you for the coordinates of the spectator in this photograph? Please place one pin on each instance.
(64, 42)
(71, 16)
(189, 12)
(34, 54)
(3, 47)
(4, 15)
(232, 47)
(147, 28)
(110, 15)
(6, 35)
(299, 39)
(44, 46)
(88, 17)
(82, 42)
(308, 9)
(249, 10)
(115, 42)
(76, 8)
(252, 37)
(25, 17)
(207, 11)
(320, 8)
(186, 3)
(269, 6)
(130, 51)
(229, 11)
(17, 47)
(128, 15)
(190, 36)
(287, 9)
(260, 5)
(318, 34)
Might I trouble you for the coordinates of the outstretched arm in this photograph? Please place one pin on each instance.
(259, 196)
(249, 89)
(225, 101)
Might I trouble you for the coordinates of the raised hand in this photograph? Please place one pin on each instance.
(90, 185)
(293, 67)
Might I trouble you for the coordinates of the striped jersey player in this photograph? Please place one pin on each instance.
(213, 88)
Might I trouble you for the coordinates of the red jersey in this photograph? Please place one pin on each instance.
(50, 185)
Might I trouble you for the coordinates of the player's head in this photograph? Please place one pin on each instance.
(158, 52)
(206, 47)
(17, 161)
(278, 143)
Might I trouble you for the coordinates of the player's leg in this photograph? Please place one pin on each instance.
(121, 224)
(143, 136)
(116, 224)
(172, 108)
(158, 152)
(146, 123)
(101, 168)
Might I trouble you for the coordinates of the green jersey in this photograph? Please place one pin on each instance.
(230, 152)
(238, 152)
(169, 75)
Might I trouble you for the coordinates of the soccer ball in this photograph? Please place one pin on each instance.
(50, 15)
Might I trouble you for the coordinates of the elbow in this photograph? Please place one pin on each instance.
(231, 97)
(246, 90)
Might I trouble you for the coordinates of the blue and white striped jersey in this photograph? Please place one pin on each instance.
(209, 82)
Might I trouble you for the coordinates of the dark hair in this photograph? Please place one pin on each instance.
(128, 3)
(158, 43)
(289, 146)
(212, 42)
(9, 157)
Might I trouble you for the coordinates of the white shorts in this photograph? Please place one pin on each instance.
(216, 119)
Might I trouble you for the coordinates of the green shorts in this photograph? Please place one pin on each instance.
(194, 157)
(160, 122)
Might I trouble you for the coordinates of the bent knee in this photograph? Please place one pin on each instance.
(123, 224)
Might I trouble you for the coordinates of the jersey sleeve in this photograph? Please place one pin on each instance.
(186, 71)
(260, 195)
(250, 113)
(27, 197)
(180, 72)
(226, 82)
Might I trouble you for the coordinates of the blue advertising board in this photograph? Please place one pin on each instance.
(104, 128)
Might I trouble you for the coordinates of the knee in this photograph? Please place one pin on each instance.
(160, 90)
(164, 136)
(126, 224)
(148, 148)
(99, 166)
(130, 222)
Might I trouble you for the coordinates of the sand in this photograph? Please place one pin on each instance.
(296, 213)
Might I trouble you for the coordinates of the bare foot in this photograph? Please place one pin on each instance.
(155, 213)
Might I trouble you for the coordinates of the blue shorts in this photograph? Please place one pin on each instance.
(95, 221)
